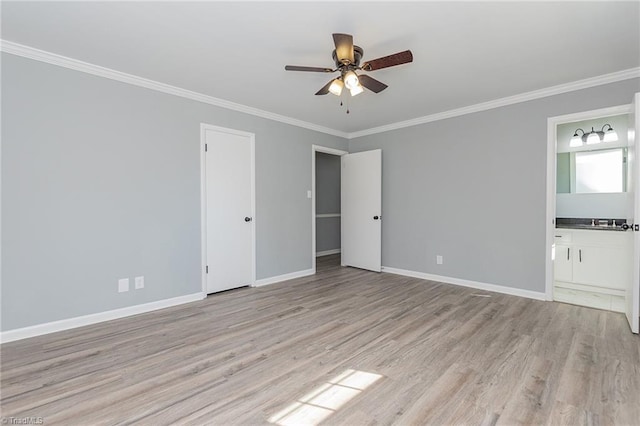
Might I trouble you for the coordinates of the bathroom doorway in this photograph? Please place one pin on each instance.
(592, 205)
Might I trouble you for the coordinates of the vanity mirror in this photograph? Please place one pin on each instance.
(598, 163)
(588, 172)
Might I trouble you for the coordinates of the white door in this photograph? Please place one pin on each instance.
(229, 209)
(633, 292)
(361, 204)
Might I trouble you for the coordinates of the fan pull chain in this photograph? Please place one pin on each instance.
(347, 104)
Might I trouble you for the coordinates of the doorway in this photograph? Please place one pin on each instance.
(228, 208)
(360, 207)
(325, 202)
(589, 262)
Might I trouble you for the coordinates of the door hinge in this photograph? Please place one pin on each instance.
(205, 147)
(207, 269)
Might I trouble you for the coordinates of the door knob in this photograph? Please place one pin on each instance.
(376, 217)
(247, 219)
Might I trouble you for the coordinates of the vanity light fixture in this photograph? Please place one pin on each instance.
(594, 136)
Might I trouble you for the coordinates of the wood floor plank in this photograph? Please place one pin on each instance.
(440, 354)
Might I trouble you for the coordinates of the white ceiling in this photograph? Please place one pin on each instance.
(464, 52)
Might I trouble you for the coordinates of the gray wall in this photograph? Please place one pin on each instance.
(473, 189)
(101, 180)
(327, 201)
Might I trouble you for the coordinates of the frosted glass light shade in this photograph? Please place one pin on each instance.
(356, 90)
(593, 138)
(575, 141)
(351, 80)
(336, 87)
(610, 136)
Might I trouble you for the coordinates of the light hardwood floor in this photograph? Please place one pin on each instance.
(418, 352)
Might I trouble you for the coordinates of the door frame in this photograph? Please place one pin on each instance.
(326, 150)
(552, 147)
(203, 199)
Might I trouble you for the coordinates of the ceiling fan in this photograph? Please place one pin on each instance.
(347, 57)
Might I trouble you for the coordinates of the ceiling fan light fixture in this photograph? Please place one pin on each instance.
(351, 80)
(336, 87)
(347, 57)
(356, 90)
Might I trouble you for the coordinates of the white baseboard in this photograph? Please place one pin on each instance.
(328, 252)
(285, 277)
(466, 283)
(66, 324)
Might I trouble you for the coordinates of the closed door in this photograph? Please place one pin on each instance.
(361, 204)
(229, 210)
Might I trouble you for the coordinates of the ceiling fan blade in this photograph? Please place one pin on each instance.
(372, 84)
(312, 69)
(389, 61)
(344, 47)
(325, 89)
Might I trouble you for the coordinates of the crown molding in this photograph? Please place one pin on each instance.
(74, 64)
(510, 100)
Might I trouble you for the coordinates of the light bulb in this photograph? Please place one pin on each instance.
(350, 80)
(336, 87)
(356, 90)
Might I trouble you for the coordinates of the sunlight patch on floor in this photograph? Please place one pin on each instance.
(323, 401)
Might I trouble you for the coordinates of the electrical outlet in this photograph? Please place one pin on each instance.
(139, 282)
(309, 193)
(439, 260)
(123, 285)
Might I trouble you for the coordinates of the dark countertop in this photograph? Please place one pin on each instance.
(589, 227)
(590, 224)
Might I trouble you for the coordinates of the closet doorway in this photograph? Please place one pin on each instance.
(325, 202)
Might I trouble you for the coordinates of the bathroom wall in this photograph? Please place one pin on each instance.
(591, 206)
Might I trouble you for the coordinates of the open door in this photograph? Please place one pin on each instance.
(361, 204)
(633, 291)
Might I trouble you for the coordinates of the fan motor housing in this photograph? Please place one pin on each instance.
(357, 55)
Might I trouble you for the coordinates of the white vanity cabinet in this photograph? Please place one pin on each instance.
(563, 263)
(592, 267)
